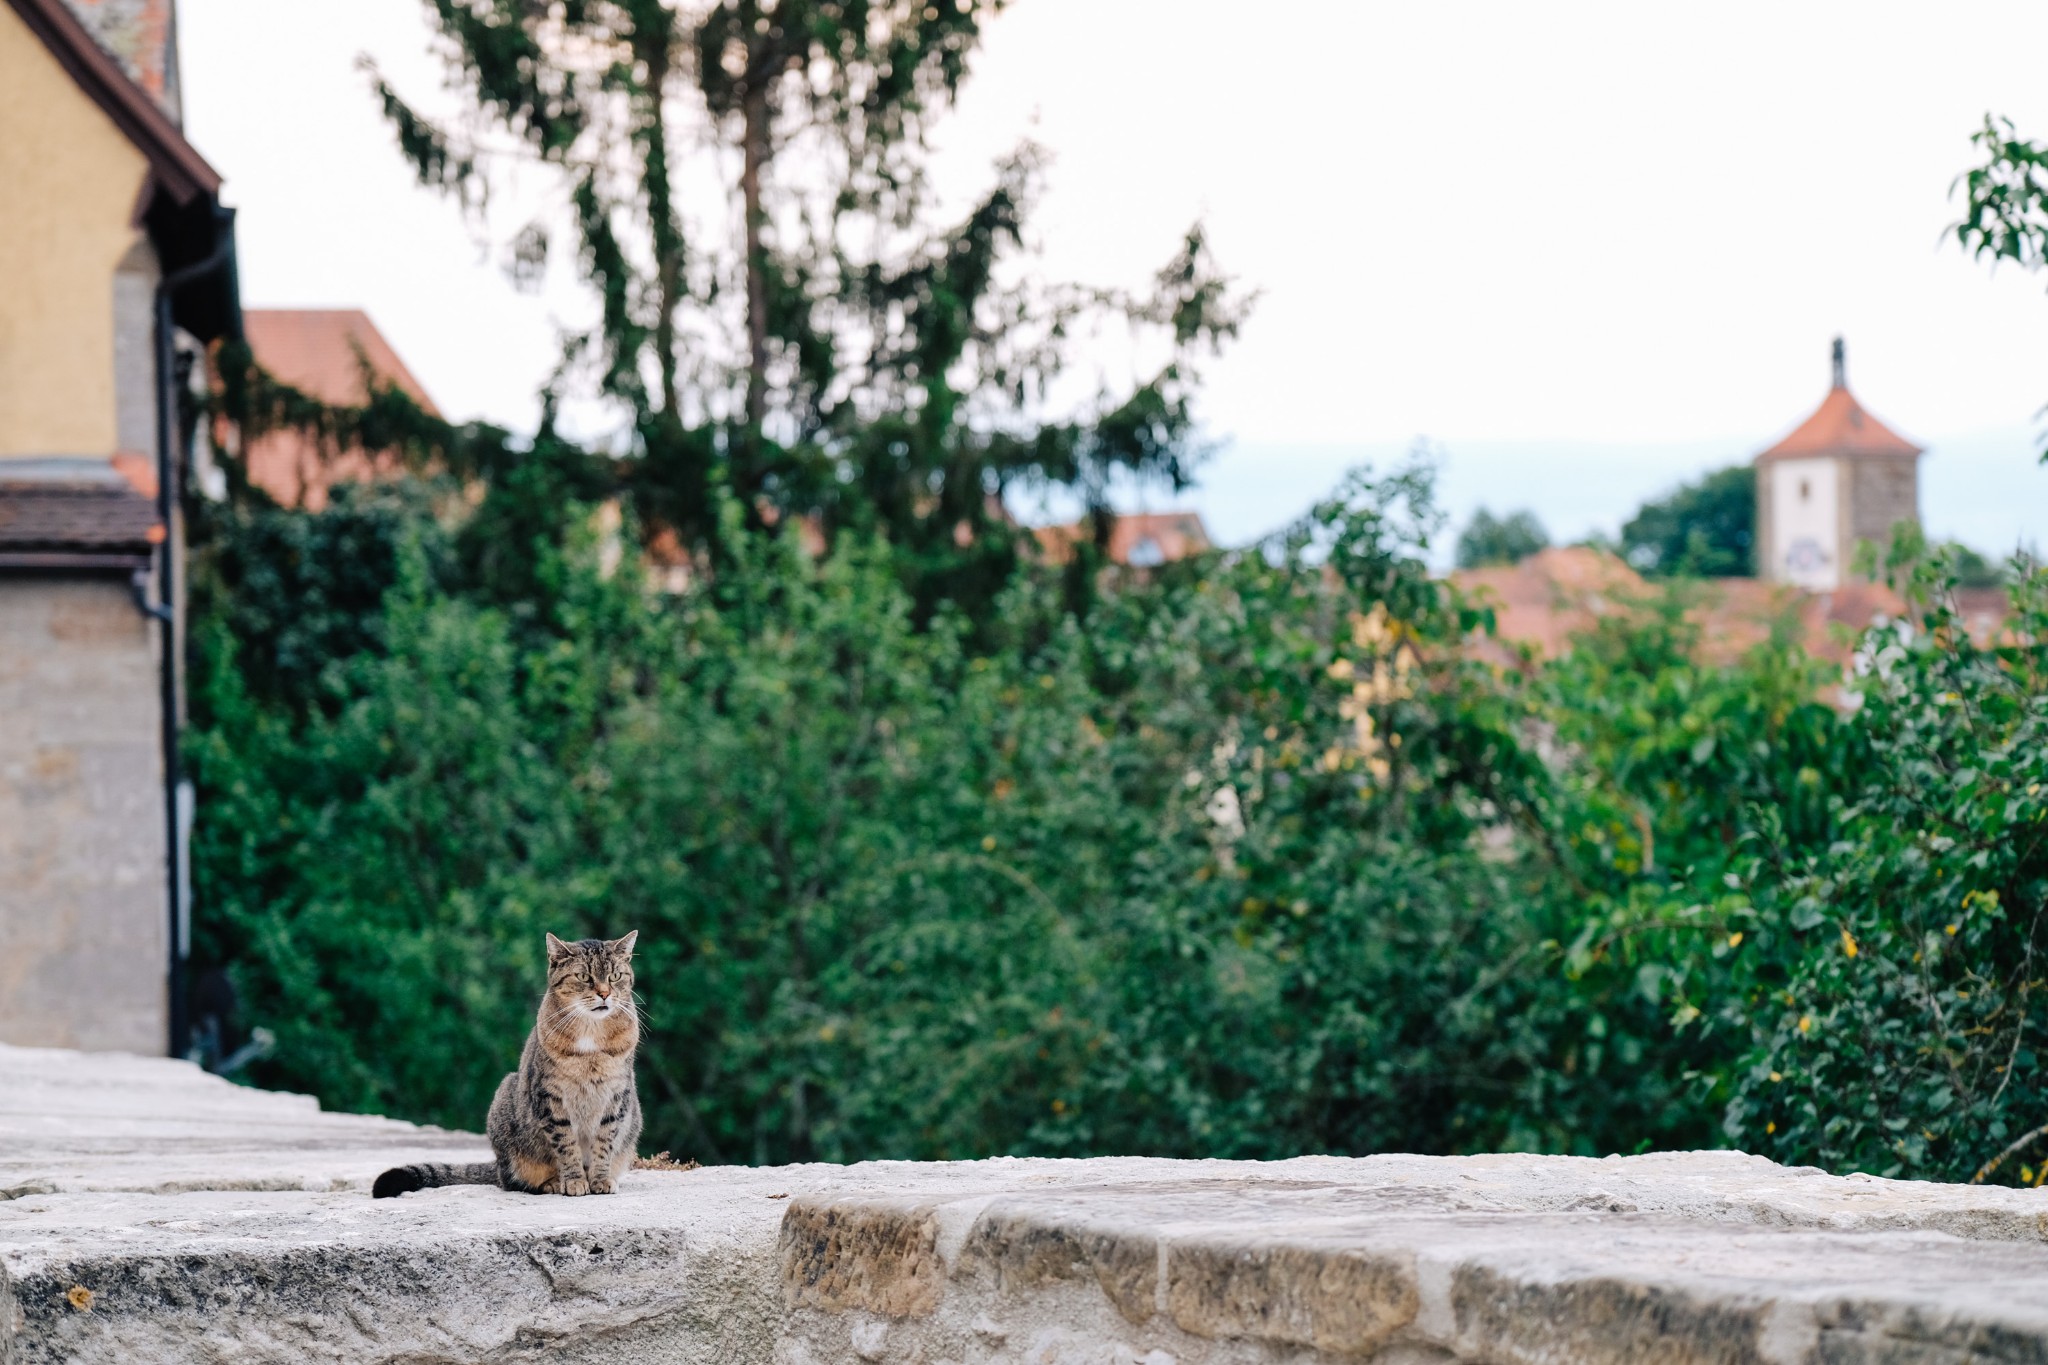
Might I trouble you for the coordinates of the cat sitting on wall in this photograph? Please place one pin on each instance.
(568, 1120)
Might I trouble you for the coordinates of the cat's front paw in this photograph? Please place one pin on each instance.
(576, 1186)
(603, 1186)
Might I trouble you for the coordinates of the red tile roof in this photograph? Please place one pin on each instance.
(1554, 594)
(1840, 426)
(1557, 594)
(1141, 539)
(321, 352)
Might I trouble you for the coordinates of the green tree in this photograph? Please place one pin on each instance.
(1974, 570)
(1511, 539)
(826, 341)
(1705, 529)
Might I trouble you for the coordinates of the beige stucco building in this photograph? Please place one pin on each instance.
(1842, 477)
(120, 265)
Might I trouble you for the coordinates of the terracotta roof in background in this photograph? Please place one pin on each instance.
(320, 351)
(1556, 594)
(1553, 595)
(316, 350)
(1140, 539)
(174, 163)
(1840, 426)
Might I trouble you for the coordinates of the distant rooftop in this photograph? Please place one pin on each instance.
(1557, 594)
(322, 352)
(1142, 540)
(1840, 426)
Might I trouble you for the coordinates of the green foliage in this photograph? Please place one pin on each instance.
(1488, 539)
(2005, 200)
(1256, 858)
(1205, 877)
(1705, 529)
(1973, 570)
(1897, 1033)
(937, 852)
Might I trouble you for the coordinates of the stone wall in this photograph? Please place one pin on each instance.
(83, 913)
(151, 1213)
(1883, 493)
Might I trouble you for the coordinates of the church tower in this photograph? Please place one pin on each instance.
(1840, 478)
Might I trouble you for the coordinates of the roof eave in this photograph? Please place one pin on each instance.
(175, 164)
(1775, 454)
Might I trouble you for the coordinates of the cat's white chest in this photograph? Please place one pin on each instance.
(586, 1044)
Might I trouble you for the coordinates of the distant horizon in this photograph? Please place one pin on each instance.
(1984, 488)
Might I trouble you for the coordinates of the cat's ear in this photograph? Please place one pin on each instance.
(624, 945)
(557, 950)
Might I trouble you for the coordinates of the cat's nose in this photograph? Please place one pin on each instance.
(604, 992)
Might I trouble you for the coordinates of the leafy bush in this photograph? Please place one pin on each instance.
(1231, 867)
(1254, 858)
(1900, 1037)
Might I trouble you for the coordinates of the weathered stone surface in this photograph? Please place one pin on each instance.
(143, 1229)
(112, 1121)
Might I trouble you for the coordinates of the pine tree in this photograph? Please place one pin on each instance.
(821, 343)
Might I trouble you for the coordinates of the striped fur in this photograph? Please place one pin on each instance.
(405, 1179)
(568, 1120)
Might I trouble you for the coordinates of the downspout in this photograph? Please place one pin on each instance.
(176, 805)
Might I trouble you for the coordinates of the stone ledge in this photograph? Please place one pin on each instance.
(143, 1230)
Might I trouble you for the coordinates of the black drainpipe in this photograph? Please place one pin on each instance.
(167, 467)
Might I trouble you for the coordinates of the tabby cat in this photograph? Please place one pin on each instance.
(568, 1120)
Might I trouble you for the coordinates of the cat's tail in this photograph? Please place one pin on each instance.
(405, 1179)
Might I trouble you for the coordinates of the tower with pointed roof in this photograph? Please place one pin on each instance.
(1840, 478)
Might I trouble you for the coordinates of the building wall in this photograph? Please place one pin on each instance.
(69, 185)
(83, 906)
(135, 398)
(1804, 499)
(1882, 493)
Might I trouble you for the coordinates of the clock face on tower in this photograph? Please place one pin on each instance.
(1806, 556)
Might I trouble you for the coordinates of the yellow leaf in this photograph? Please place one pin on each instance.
(1848, 943)
(1771, 1127)
(1806, 1023)
(1735, 940)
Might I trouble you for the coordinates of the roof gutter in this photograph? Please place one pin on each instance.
(170, 464)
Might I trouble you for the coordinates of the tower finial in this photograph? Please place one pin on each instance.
(1841, 366)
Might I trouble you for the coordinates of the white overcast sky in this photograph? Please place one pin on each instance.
(1586, 249)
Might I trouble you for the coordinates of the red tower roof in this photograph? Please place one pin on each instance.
(1840, 426)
